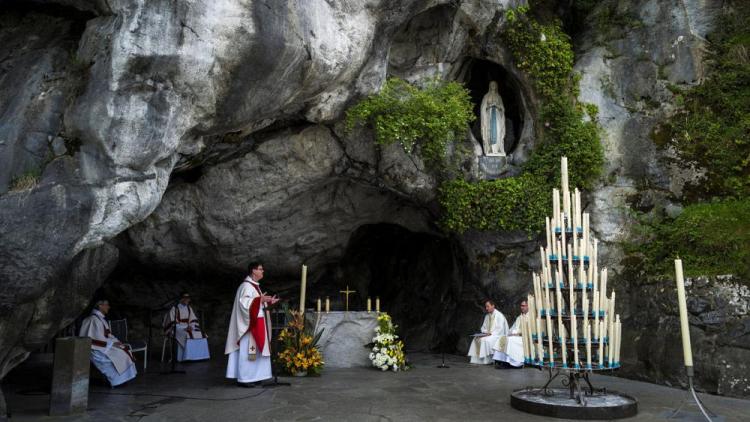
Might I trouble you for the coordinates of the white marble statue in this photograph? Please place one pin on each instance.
(492, 118)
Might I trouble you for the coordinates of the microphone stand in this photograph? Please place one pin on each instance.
(275, 378)
(173, 348)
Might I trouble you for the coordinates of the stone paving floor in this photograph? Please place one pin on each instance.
(463, 392)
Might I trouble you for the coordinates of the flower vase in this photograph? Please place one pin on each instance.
(300, 373)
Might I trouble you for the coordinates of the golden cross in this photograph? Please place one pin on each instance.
(347, 292)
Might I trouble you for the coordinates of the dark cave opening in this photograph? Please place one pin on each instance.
(477, 80)
(418, 277)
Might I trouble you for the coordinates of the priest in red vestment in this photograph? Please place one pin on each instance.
(250, 331)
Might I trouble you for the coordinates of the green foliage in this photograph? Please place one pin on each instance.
(429, 117)
(26, 181)
(522, 202)
(544, 52)
(567, 134)
(516, 203)
(712, 130)
(711, 238)
(565, 131)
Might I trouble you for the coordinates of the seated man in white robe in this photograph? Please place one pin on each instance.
(247, 347)
(108, 354)
(509, 348)
(192, 343)
(493, 327)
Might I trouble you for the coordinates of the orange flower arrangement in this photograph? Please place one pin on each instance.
(299, 347)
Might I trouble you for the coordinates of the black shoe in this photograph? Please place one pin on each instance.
(246, 384)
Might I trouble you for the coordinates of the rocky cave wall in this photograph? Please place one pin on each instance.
(152, 86)
(187, 140)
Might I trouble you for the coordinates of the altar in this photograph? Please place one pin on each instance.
(344, 337)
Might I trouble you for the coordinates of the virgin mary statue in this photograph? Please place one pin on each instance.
(493, 122)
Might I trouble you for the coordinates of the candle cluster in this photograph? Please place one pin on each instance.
(328, 305)
(571, 320)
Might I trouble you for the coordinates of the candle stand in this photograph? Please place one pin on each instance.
(578, 399)
(572, 329)
(692, 397)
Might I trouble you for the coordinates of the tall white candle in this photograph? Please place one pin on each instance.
(523, 340)
(549, 267)
(588, 344)
(318, 306)
(580, 211)
(596, 314)
(529, 339)
(585, 304)
(549, 340)
(687, 352)
(540, 346)
(369, 304)
(571, 281)
(558, 297)
(602, 335)
(548, 233)
(581, 275)
(618, 330)
(540, 298)
(562, 238)
(574, 333)
(526, 333)
(565, 188)
(328, 305)
(563, 346)
(531, 301)
(303, 288)
(585, 235)
(603, 289)
(377, 304)
(610, 333)
(541, 257)
(532, 327)
(594, 275)
(555, 208)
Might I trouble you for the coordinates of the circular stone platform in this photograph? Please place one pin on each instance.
(558, 404)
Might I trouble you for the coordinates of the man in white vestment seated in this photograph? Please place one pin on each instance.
(493, 327)
(192, 342)
(509, 348)
(249, 333)
(108, 354)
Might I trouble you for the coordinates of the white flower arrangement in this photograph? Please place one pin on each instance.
(387, 351)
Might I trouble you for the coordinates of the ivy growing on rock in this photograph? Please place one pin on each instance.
(545, 53)
(711, 132)
(711, 238)
(428, 117)
(712, 129)
(514, 203)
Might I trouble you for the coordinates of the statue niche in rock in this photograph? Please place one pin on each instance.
(492, 116)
